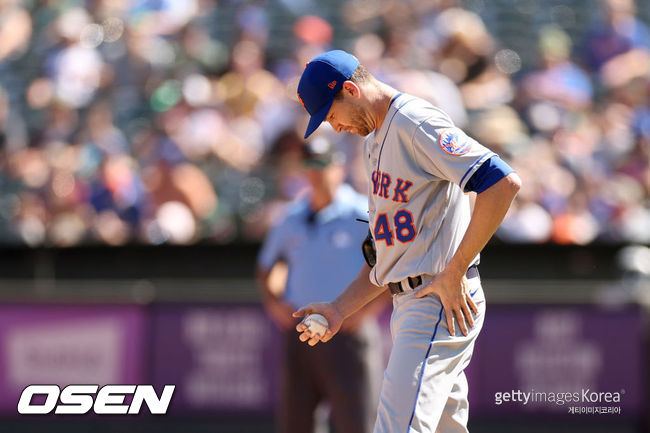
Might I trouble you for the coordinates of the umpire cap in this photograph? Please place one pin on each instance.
(321, 152)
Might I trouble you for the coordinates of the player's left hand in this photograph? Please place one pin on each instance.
(453, 291)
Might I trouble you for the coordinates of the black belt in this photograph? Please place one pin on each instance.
(396, 288)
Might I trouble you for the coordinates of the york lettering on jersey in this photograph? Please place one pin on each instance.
(402, 186)
(381, 186)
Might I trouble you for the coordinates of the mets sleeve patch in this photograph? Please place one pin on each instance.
(454, 141)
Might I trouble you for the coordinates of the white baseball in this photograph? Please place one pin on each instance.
(316, 324)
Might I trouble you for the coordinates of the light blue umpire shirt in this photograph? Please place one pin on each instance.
(322, 250)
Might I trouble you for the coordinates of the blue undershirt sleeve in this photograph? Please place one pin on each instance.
(489, 173)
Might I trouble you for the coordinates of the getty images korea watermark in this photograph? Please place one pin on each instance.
(584, 401)
(105, 400)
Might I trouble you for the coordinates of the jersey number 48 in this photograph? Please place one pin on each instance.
(404, 229)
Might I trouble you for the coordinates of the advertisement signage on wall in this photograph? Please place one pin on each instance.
(530, 361)
(559, 361)
(63, 345)
(222, 358)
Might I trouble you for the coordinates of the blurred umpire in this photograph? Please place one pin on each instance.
(319, 240)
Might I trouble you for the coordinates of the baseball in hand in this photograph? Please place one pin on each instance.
(316, 324)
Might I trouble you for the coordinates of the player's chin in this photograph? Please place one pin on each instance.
(361, 131)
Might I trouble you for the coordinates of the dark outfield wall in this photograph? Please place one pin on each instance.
(237, 261)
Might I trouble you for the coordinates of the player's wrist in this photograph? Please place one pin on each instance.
(338, 309)
(455, 271)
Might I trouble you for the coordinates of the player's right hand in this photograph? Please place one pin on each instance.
(331, 313)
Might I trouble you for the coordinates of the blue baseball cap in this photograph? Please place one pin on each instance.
(320, 82)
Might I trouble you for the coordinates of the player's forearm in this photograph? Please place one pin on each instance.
(489, 210)
(360, 292)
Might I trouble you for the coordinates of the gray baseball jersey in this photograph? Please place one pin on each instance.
(418, 163)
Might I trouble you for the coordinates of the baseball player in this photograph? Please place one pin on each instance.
(427, 240)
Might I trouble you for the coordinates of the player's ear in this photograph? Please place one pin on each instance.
(351, 89)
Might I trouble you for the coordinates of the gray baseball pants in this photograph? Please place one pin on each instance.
(424, 388)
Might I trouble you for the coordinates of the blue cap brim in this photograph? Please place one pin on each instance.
(317, 118)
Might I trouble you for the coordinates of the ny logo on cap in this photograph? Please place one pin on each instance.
(332, 85)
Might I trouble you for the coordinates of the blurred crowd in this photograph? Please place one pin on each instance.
(176, 121)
